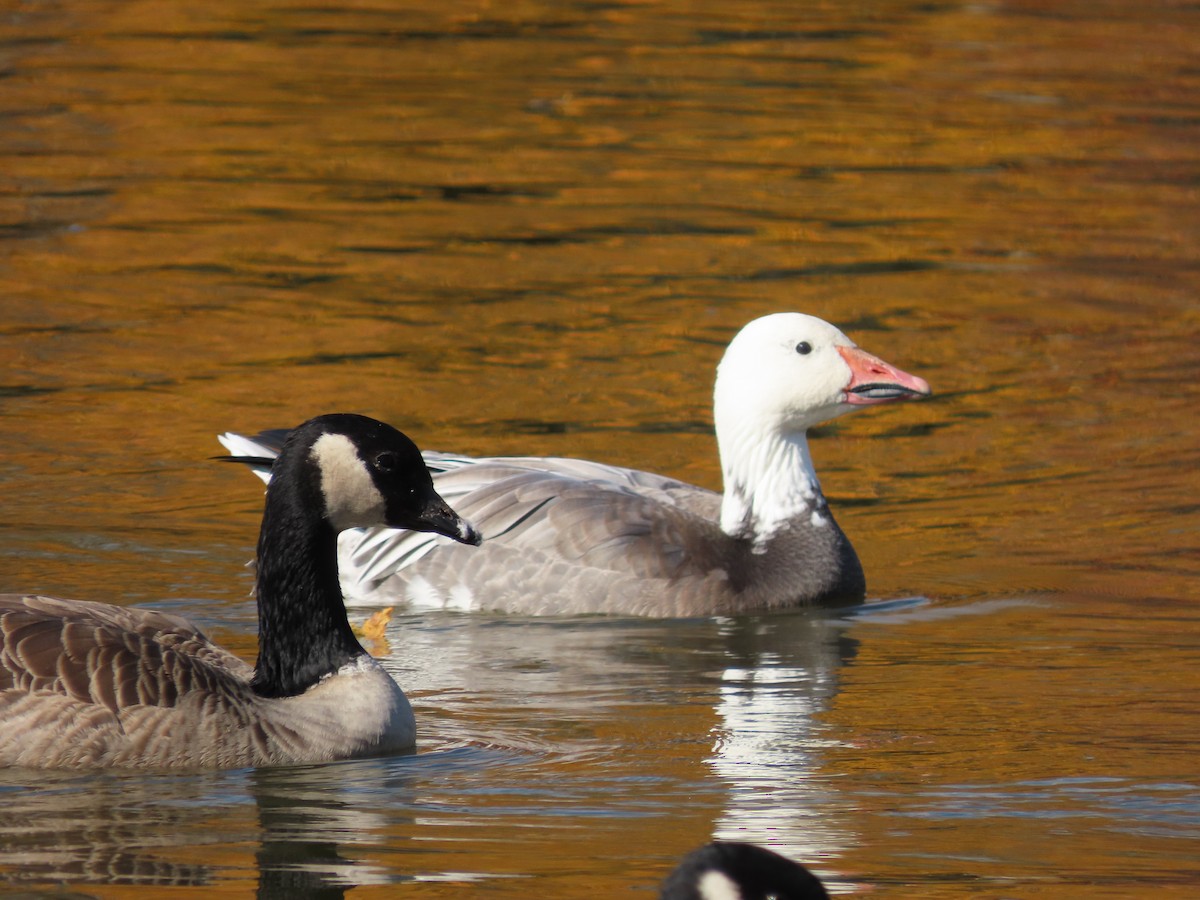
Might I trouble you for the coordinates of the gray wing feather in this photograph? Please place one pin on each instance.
(591, 513)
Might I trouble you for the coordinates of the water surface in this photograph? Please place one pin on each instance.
(531, 228)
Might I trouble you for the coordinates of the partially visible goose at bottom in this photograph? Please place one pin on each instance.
(568, 536)
(88, 684)
(729, 870)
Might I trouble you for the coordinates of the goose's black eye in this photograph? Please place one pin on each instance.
(804, 348)
(386, 461)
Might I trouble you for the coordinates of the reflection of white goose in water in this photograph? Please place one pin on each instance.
(782, 675)
(764, 680)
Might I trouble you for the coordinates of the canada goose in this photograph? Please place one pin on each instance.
(568, 536)
(89, 684)
(729, 870)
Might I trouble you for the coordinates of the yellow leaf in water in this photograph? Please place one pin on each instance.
(376, 625)
(374, 630)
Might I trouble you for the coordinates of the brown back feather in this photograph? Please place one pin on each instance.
(111, 656)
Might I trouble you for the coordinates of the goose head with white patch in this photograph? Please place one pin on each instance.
(334, 472)
(781, 375)
(371, 474)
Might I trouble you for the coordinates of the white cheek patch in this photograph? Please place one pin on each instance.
(718, 886)
(351, 498)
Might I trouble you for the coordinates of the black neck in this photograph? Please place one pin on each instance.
(303, 632)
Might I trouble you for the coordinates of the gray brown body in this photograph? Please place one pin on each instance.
(569, 536)
(88, 684)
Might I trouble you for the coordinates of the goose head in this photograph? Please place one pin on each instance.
(334, 472)
(731, 870)
(789, 372)
(781, 375)
(366, 474)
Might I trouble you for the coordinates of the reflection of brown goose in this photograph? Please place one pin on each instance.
(735, 871)
(89, 684)
(570, 536)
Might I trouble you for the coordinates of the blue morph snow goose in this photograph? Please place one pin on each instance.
(567, 536)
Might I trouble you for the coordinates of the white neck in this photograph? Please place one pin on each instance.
(769, 483)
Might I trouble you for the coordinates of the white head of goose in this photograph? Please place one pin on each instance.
(568, 536)
(88, 684)
(730, 870)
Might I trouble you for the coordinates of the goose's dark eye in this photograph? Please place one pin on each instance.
(386, 461)
(804, 348)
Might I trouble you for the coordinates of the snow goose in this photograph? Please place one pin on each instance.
(566, 536)
(88, 684)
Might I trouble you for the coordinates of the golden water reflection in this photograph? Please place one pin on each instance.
(531, 228)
